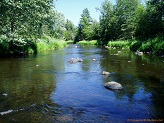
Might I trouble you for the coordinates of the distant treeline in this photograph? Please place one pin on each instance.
(127, 19)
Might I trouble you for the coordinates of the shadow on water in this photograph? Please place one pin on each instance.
(47, 88)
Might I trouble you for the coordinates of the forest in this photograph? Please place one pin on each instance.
(32, 26)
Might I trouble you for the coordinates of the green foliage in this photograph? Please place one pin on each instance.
(118, 21)
(23, 22)
(58, 25)
(24, 17)
(19, 46)
(70, 32)
(154, 46)
(4, 48)
(119, 44)
(129, 19)
(46, 44)
(84, 42)
(106, 21)
(70, 42)
(86, 27)
(135, 45)
(150, 19)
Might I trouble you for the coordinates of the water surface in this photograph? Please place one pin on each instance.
(47, 88)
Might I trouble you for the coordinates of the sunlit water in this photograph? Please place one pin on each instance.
(47, 88)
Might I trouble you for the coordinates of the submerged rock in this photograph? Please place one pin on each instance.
(113, 85)
(75, 60)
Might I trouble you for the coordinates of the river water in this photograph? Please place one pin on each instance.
(47, 88)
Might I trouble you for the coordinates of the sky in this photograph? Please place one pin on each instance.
(72, 9)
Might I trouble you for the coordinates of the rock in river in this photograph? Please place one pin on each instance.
(75, 60)
(105, 73)
(113, 85)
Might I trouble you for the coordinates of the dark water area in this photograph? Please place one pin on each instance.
(47, 88)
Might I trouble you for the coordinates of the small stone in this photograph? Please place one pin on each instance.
(105, 73)
(6, 112)
(4, 94)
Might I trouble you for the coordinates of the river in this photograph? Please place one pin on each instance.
(47, 88)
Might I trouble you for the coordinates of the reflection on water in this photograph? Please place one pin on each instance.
(47, 88)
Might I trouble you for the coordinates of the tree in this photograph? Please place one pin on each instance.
(84, 26)
(58, 25)
(106, 16)
(20, 20)
(70, 32)
(118, 21)
(151, 22)
(24, 16)
(126, 11)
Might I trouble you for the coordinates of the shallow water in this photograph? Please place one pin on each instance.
(47, 88)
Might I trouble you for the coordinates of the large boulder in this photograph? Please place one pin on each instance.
(113, 85)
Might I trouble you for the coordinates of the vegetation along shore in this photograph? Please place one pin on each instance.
(128, 23)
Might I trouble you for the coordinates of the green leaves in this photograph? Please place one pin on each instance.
(85, 28)
(25, 18)
(129, 19)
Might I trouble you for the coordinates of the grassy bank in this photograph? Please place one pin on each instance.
(70, 42)
(29, 46)
(153, 46)
(120, 43)
(52, 44)
(92, 42)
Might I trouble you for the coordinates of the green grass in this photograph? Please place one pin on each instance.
(120, 43)
(70, 42)
(84, 42)
(52, 44)
(154, 45)
(29, 46)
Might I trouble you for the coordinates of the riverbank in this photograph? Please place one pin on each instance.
(150, 46)
(51, 44)
(70, 42)
(29, 46)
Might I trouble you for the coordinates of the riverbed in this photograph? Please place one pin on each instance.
(48, 88)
